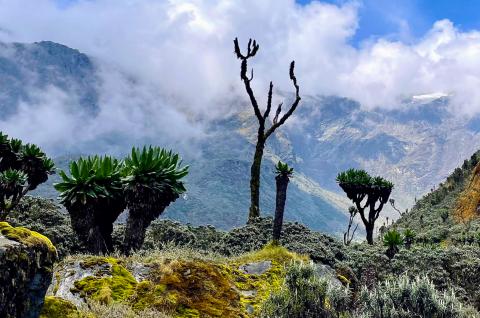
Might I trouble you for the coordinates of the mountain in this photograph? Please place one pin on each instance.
(416, 147)
(449, 213)
(29, 68)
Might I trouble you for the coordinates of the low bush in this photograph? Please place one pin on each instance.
(406, 298)
(305, 295)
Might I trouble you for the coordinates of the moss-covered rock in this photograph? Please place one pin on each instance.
(180, 286)
(55, 307)
(26, 264)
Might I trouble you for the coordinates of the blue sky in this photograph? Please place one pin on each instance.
(408, 20)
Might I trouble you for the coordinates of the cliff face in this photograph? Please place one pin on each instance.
(26, 266)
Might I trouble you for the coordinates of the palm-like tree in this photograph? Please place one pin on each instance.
(367, 193)
(282, 178)
(152, 180)
(34, 162)
(93, 196)
(392, 239)
(23, 168)
(12, 186)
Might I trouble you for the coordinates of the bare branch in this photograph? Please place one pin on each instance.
(292, 107)
(269, 101)
(277, 113)
(251, 51)
(237, 50)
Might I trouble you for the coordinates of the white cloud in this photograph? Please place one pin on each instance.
(183, 49)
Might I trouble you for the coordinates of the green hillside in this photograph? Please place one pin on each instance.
(435, 217)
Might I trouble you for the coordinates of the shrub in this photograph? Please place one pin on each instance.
(406, 298)
(392, 239)
(408, 238)
(305, 295)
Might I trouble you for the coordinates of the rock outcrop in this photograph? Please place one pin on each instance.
(26, 266)
(173, 283)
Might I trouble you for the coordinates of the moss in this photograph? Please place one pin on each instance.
(192, 289)
(117, 286)
(271, 251)
(189, 287)
(27, 237)
(55, 307)
(266, 283)
(345, 281)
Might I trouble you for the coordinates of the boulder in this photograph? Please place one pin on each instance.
(26, 266)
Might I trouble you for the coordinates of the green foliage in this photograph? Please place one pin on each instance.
(283, 169)
(154, 168)
(12, 182)
(250, 237)
(409, 237)
(90, 179)
(404, 298)
(46, 217)
(451, 266)
(361, 178)
(392, 239)
(305, 295)
(431, 217)
(22, 168)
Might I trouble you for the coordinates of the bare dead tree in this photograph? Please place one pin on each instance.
(392, 203)
(347, 237)
(263, 131)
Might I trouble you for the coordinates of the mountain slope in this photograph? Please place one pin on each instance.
(449, 212)
(416, 147)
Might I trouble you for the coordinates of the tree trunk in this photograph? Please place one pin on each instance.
(282, 184)
(106, 230)
(369, 229)
(84, 225)
(255, 179)
(137, 224)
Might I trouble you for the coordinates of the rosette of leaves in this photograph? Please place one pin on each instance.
(152, 180)
(393, 240)
(16, 162)
(12, 186)
(93, 196)
(282, 169)
(34, 163)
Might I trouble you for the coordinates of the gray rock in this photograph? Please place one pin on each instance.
(327, 273)
(257, 268)
(26, 265)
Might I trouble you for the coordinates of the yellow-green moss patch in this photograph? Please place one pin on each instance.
(264, 284)
(26, 236)
(189, 287)
(115, 286)
(55, 307)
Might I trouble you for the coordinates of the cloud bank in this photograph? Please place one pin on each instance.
(183, 49)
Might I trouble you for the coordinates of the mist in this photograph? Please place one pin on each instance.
(166, 68)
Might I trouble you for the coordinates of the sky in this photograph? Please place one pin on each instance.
(180, 52)
(409, 20)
